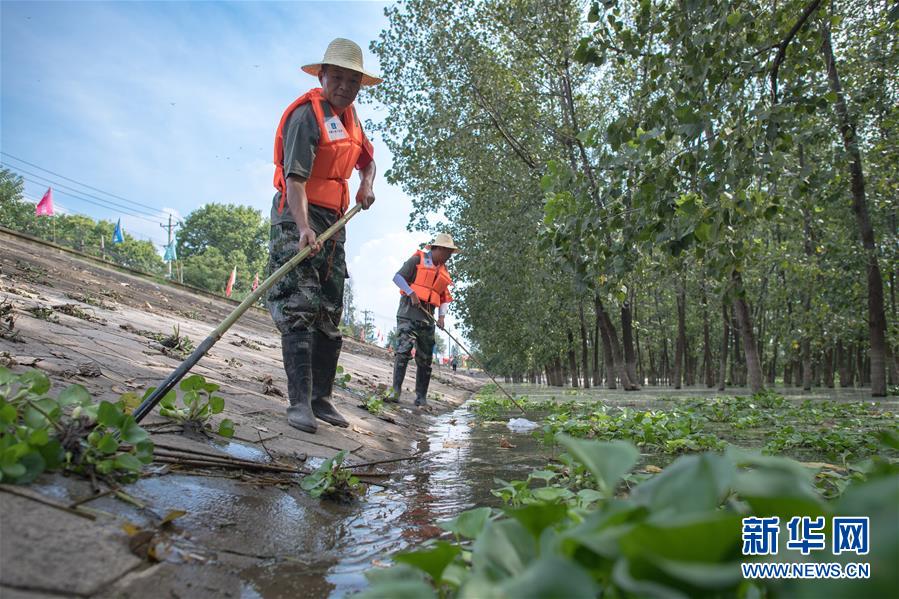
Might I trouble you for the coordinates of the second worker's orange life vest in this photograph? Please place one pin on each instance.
(431, 283)
(337, 153)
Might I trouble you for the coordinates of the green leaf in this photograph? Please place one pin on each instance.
(33, 418)
(168, 400)
(34, 465)
(432, 560)
(8, 414)
(607, 461)
(226, 428)
(74, 394)
(36, 381)
(776, 486)
(733, 19)
(552, 576)
(692, 537)
(544, 475)
(107, 444)
(691, 483)
(194, 382)
(109, 414)
(131, 431)
(216, 404)
(468, 524)
(503, 549)
(143, 451)
(126, 461)
(588, 496)
(703, 232)
(13, 469)
(537, 517)
(552, 494)
(39, 437)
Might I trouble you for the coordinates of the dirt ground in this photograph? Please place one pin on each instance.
(99, 335)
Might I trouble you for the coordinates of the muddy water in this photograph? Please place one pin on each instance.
(460, 461)
(278, 542)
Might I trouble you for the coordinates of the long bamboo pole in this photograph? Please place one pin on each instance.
(169, 383)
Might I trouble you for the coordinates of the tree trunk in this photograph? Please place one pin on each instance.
(641, 373)
(706, 344)
(572, 360)
(860, 366)
(750, 348)
(680, 347)
(806, 342)
(620, 366)
(734, 351)
(585, 354)
(597, 373)
(772, 371)
(840, 359)
(828, 367)
(627, 338)
(725, 344)
(876, 315)
(607, 357)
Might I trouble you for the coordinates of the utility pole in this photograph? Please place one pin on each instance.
(366, 323)
(168, 250)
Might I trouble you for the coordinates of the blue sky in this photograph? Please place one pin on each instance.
(172, 105)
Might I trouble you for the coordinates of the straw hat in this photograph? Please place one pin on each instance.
(444, 240)
(343, 53)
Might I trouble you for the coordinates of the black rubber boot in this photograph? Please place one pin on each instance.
(325, 353)
(399, 374)
(297, 351)
(422, 380)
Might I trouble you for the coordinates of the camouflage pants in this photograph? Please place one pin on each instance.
(418, 334)
(309, 297)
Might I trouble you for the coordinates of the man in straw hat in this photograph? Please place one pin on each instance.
(424, 286)
(318, 143)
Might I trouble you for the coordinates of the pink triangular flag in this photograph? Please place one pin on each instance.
(230, 284)
(45, 206)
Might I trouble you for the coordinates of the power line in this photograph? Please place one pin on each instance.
(59, 185)
(75, 181)
(127, 211)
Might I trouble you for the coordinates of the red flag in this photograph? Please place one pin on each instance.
(45, 206)
(230, 284)
(256, 281)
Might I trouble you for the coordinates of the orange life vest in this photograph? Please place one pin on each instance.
(431, 283)
(334, 158)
